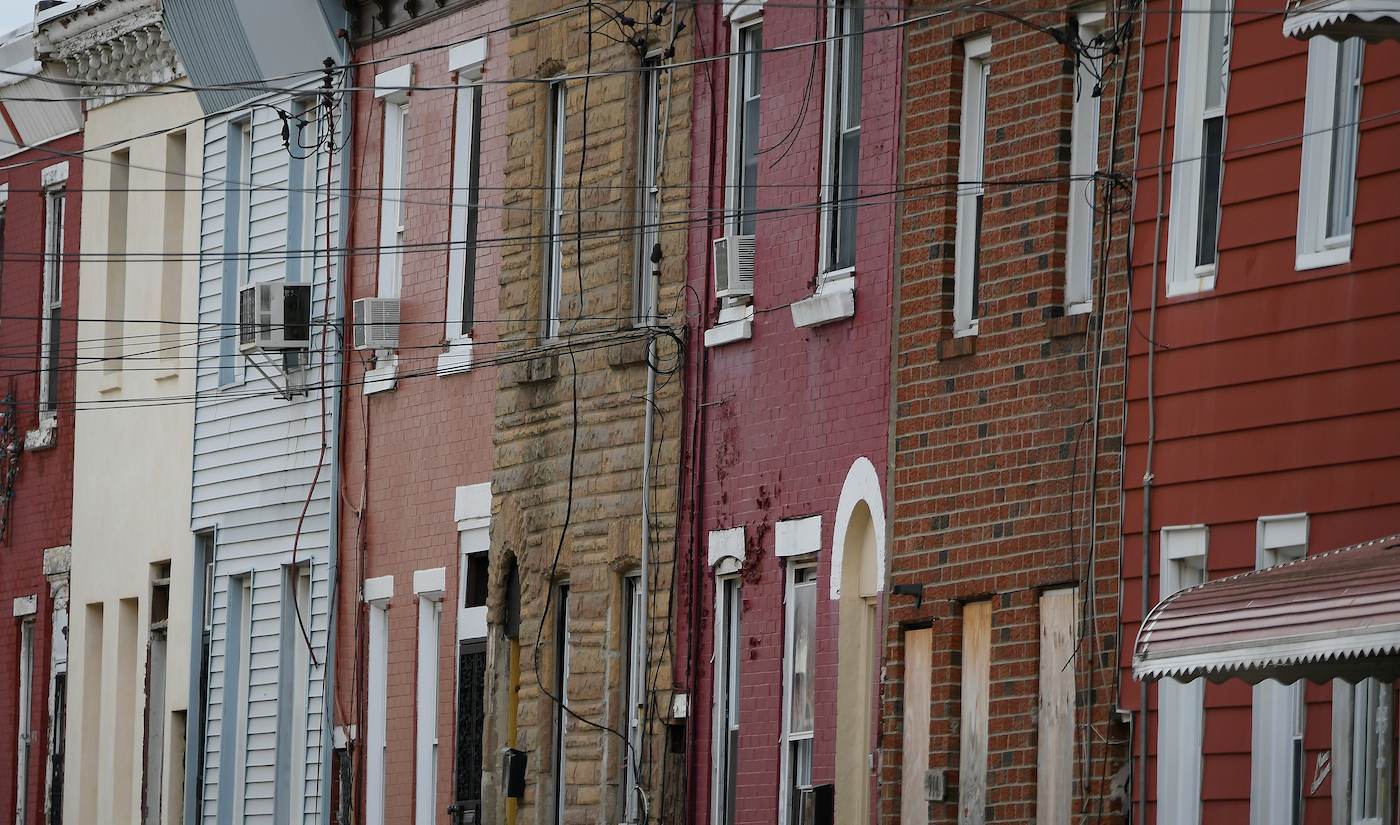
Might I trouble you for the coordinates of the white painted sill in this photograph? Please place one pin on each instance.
(43, 436)
(834, 300)
(1192, 285)
(735, 323)
(383, 377)
(966, 331)
(1081, 308)
(457, 359)
(1334, 256)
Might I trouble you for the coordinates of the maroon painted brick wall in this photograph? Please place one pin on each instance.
(405, 451)
(998, 453)
(781, 417)
(41, 511)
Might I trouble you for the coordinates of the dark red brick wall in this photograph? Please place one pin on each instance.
(431, 433)
(41, 510)
(782, 416)
(994, 434)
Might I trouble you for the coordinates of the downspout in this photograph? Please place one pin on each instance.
(1147, 477)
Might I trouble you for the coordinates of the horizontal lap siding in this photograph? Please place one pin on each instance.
(1274, 392)
(255, 455)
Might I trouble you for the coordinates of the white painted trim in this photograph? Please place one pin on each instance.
(55, 175)
(738, 327)
(394, 84)
(1274, 533)
(1314, 248)
(430, 584)
(26, 606)
(798, 536)
(1086, 112)
(376, 712)
(382, 378)
(472, 504)
(825, 306)
(972, 151)
(425, 708)
(741, 11)
(457, 359)
(466, 156)
(467, 58)
(862, 484)
(1277, 716)
(1181, 707)
(726, 550)
(378, 590)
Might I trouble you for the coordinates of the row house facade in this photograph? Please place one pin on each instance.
(1261, 409)
(582, 721)
(429, 148)
(794, 172)
(40, 219)
(1008, 413)
(263, 509)
(131, 578)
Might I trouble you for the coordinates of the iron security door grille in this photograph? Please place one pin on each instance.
(471, 723)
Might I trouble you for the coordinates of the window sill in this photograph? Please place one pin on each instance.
(734, 324)
(173, 372)
(834, 300)
(1191, 285)
(629, 353)
(1067, 325)
(44, 436)
(1323, 258)
(382, 378)
(957, 347)
(111, 382)
(457, 359)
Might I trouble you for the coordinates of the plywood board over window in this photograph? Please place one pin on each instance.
(1055, 774)
(976, 674)
(918, 678)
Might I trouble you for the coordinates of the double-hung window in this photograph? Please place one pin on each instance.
(799, 695)
(24, 746)
(1198, 153)
(392, 89)
(55, 205)
(725, 748)
(649, 150)
(1363, 732)
(377, 700)
(841, 140)
(303, 163)
(634, 640)
(1083, 166)
(553, 246)
(562, 655)
(238, 191)
(972, 137)
(468, 60)
(1276, 776)
(745, 78)
(1327, 183)
(1181, 708)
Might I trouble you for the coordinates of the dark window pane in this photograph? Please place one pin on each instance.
(1212, 165)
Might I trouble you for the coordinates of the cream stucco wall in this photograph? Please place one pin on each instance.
(132, 460)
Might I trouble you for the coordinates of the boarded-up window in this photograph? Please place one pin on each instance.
(1055, 775)
(976, 670)
(918, 677)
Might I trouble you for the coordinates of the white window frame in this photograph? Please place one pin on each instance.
(1323, 136)
(1277, 721)
(376, 712)
(745, 65)
(634, 675)
(789, 770)
(650, 131)
(1083, 166)
(303, 175)
(468, 61)
(972, 137)
(556, 144)
(428, 587)
(393, 171)
(1184, 276)
(843, 84)
(25, 733)
(237, 238)
(1180, 707)
(295, 656)
(241, 588)
(55, 226)
(1368, 708)
(728, 666)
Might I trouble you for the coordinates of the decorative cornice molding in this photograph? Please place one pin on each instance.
(114, 47)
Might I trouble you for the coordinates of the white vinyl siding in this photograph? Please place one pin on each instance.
(1198, 159)
(1180, 707)
(841, 138)
(1083, 165)
(972, 136)
(256, 453)
(1327, 181)
(724, 754)
(799, 691)
(553, 242)
(1276, 792)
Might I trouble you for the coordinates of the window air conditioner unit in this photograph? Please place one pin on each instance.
(733, 266)
(377, 323)
(274, 316)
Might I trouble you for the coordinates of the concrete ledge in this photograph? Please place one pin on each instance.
(382, 378)
(728, 333)
(726, 550)
(379, 590)
(26, 606)
(457, 359)
(824, 307)
(430, 583)
(798, 536)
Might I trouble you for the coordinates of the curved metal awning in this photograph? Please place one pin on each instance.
(1373, 20)
(1330, 616)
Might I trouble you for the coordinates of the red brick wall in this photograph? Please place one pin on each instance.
(782, 416)
(994, 433)
(1275, 392)
(41, 512)
(431, 433)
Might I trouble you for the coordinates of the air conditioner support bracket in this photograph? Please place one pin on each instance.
(293, 381)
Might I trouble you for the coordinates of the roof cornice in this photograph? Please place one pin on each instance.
(114, 46)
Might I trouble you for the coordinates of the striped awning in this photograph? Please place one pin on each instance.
(1373, 20)
(1331, 616)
